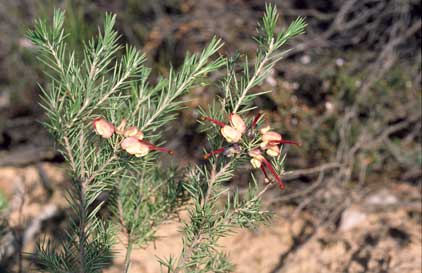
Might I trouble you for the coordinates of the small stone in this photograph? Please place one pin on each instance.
(351, 218)
(382, 198)
(339, 62)
(305, 59)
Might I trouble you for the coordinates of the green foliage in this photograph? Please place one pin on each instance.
(237, 87)
(111, 82)
(209, 221)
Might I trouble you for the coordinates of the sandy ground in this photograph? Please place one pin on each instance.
(378, 234)
(373, 245)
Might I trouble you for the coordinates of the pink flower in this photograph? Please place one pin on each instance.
(270, 144)
(271, 141)
(140, 148)
(273, 150)
(133, 132)
(103, 127)
(237, 123)
(268, 137)
(133, 146)
(233, 132)
(259, 161)
(257, 158)
(265, 129)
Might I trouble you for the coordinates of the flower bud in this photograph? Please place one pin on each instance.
(270, 136)
(133, 146)
(121, 128)
(103, 128)
(257, 158)
(255, 153)
(273, 150)
(231, 134)
(265, 129)
(256, 163)
(237, 122)
(139, 135)
(131, 131)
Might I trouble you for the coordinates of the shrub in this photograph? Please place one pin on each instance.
(107, 117)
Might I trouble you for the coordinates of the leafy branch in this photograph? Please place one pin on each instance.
(267, 56)
(209, 221)
(102, 85)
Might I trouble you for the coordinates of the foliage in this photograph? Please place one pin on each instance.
(111, 84)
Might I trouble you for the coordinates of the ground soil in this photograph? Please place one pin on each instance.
(380, 233)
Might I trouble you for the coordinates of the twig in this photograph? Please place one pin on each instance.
(304, 192)
(187, 253)
(297, 173)
(69, 153)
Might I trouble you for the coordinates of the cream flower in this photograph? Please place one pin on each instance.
(134, 146)
(231, 134)
(256, 160)
(133, 132)
(273, 150)
(103, 128)
(237, 123)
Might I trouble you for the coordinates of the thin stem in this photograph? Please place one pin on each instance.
(168, 99)
(128, 254)
(59, 65)
(113, 157)
(82, 205)
(82, 224)
(101, 101)
(188, 250)
(69, 153)
(213, 178)
(264, 190)
(252, 81)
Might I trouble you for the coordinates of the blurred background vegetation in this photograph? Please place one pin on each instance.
(350, 91)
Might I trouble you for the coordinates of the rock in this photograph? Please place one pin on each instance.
(352, 217)
(382, 198)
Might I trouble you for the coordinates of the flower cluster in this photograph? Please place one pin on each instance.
(133, 139)
(270, 144)
(233, 132)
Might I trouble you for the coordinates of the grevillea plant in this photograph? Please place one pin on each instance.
(108, 118)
